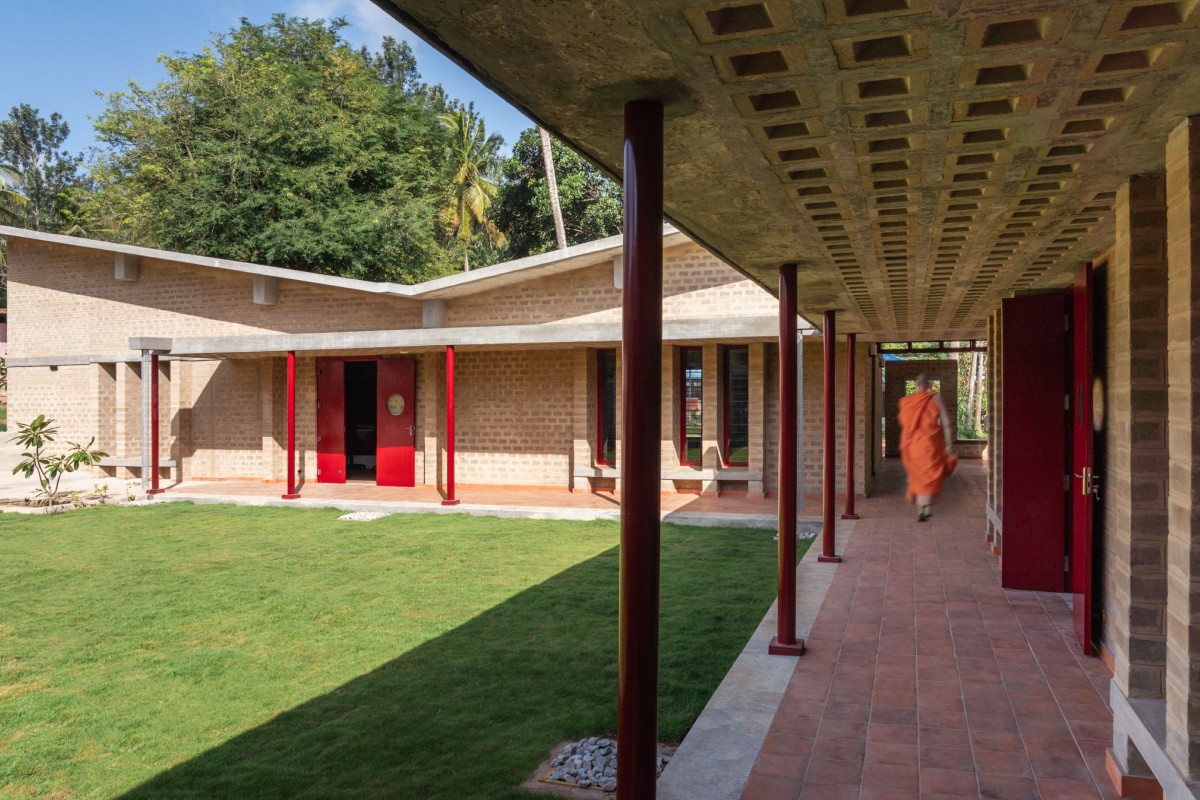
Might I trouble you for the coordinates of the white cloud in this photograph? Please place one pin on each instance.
(368, 22)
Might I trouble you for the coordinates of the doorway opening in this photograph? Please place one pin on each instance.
(361, 435)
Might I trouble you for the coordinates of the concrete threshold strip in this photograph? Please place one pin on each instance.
(682, 517)
(715, 758)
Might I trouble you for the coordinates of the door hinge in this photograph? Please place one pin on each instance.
(1066, 402)
(1066, 483)
(1066, 322)
(1066, 563)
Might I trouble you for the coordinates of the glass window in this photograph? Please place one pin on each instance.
(691, 412)
(737, 406)
(606, 407)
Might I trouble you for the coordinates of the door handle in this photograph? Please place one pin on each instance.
(1085, 480)
(412, 430)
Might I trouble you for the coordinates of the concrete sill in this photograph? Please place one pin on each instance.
(136, 461)
(678, 473)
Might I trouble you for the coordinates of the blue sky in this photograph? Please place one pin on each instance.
(56, 57)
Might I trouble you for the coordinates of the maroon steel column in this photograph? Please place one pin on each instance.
(292, 494)
(784, 643)
(851, 340)
(828, 541)
(641, 372)
(153, 426)
(450, 500)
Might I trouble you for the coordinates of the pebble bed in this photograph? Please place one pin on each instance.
(592, 764)
(363, 516)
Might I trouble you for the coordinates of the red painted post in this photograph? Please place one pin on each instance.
(450, 500)
(851, 341)
(641, 365)
(154, 488)
(828, 532)
(784, 643)
(292, 494)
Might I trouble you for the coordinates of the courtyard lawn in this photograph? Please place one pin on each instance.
(189, 651)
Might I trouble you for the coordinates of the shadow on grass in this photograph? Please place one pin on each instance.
(470, 713)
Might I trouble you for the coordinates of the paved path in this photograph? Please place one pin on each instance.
(925, 679)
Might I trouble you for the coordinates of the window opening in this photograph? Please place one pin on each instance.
(606, 408)
(691, 413)
(737, 407)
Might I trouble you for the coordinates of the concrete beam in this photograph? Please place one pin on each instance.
(554, 334)
(433, 313)
(266, 290)
(126, 267)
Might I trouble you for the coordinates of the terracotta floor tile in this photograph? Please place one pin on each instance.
(921, 667)
(1015, 765)
(762, 787)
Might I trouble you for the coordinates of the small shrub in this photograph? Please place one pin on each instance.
(49, 469)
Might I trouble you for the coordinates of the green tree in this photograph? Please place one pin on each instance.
(32, 146)
(474, 163)
(591, 203)
(12, 202)
(277, 144)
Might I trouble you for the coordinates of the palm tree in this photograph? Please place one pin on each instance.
(475, 160)
(12, 202)
(560, 231)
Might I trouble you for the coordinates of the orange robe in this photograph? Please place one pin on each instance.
(922, 445)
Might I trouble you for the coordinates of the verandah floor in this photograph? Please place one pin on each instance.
(924, 678)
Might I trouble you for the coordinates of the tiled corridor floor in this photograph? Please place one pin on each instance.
(925, 679)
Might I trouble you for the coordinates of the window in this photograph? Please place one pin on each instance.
(606, 408)
(736, 448)
(691, 412)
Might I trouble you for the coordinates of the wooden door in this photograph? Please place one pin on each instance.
(1083, 480)
(331, 420)
(1035, 443)
(396, 422)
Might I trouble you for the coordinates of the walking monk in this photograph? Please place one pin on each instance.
(927, 460)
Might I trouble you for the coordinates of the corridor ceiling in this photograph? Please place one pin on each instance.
(919, 159)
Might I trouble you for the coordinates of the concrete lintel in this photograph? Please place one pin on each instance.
(549, 334)
(1145, 723)
(126, 266)
(433, 313)
(266, 290)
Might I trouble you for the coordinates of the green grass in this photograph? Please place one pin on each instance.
(181, 651)
(3, 418)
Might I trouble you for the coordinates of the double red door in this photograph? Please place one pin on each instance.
(395, 421)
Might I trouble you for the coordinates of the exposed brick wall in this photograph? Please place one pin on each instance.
(814, 416)
(695, 285)
(64, 300)
(1183, 505)
(1134, 520)
(514, 417)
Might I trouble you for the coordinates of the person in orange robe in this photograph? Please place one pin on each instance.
(925, 430)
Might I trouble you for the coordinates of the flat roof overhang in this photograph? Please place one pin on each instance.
(920, 160)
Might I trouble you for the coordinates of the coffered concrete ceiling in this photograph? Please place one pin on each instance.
(921, 159)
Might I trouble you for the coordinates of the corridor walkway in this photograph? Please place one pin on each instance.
(925, 679)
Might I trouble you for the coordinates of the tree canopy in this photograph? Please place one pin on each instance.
(591, 203)
(278, 144)
(34, 161)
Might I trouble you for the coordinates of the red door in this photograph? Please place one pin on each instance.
(331, 420)
(1035, 437)
(396, 422)
(1082, 464)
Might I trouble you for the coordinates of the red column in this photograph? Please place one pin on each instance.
(784, 643)
(450, 498)
(154, 489)
(828, 532)
(292, 494)
(848, 513)
(641, 365)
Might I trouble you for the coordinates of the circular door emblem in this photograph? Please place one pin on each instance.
(395, 405)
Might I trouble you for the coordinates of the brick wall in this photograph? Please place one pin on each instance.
(813, 417)
(1183, 437)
